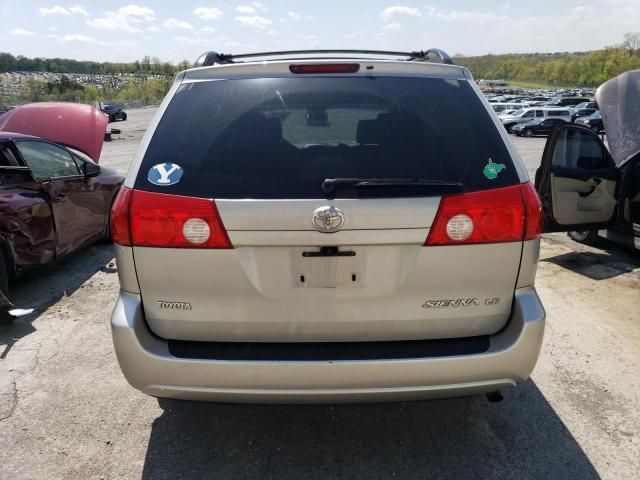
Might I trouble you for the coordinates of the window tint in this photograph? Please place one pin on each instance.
(46, 160)
(529, 114)
(576, 148)
(539, 113)
(281, 137)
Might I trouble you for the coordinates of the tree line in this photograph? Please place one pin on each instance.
(10, 63)
(147, 90)
(588, 69)
(584, 69)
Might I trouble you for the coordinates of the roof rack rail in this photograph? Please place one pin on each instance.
(211, 58)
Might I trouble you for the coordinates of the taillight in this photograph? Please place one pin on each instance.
(533, 211)
(147, 219)
(119, 220)
(508, 214)
(324, 68)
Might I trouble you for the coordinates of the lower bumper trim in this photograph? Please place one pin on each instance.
(328, 351)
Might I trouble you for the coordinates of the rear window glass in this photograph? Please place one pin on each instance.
(281, 137)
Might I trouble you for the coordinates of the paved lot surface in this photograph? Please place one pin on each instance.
(67, 412)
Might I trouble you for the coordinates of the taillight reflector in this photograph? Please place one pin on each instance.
(324, 68)
(509, 214)
(147, 219)
(119, 220)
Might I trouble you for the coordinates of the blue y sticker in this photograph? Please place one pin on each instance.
(491, 170)
(165, 174)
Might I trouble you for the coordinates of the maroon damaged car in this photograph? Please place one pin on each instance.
(54, 197)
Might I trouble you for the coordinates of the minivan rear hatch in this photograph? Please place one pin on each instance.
(305, 263)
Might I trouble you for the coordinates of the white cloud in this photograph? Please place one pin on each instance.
(137, 13)
(294, 15)
(245, 9)
(400, 11)
(67, 12)
(259, 5)
(393, 27)
(254, 21)
(77, 9)
(207, 13)
(126, 18)
(113, 21)
(78, 37)
(356, 34)
(207, 29)
(192, 42)
(21, 32)
(175, 24)
(152, 28)
(57, 10)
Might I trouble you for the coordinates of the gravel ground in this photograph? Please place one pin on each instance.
(67, 412)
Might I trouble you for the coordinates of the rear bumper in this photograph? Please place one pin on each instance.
(148, 366)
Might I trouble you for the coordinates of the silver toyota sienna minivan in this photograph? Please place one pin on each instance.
(329, 226)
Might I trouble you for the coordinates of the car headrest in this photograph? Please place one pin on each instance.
(368, 132)
(404, 128)
(253, 129)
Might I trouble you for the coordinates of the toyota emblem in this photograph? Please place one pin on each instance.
(328, 219)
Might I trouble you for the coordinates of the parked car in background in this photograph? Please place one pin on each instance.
(525, 115)
(54, 199)
(80, 126)
(590, 189)
(114, 113)
(538, 126)
(579, 106)
(566, 101)
(593, 122)
(582, 112)
(503, 107)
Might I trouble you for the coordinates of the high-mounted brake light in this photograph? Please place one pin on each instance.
(147, 219)
(324, 68)
(510, 214)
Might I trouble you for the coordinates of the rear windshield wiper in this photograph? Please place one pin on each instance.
(330, 185)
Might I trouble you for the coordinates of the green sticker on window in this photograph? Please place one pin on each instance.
(491, 170)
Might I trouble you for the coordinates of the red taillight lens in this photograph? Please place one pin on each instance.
(324, 68)
(174, 221)
(120, 232)
(533, 210)
(490, 216)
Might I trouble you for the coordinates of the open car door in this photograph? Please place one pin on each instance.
(577, 181)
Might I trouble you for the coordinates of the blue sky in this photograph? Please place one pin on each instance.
(177, 30)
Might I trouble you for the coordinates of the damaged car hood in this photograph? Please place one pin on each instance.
(72, 124)
(619, 102)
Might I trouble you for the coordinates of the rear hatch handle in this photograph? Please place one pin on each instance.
(330, 185)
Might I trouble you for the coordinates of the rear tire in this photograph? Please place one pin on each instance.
(5, 318)
(588, 237)
(528, 133)
(106, 236)
(4, 275)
